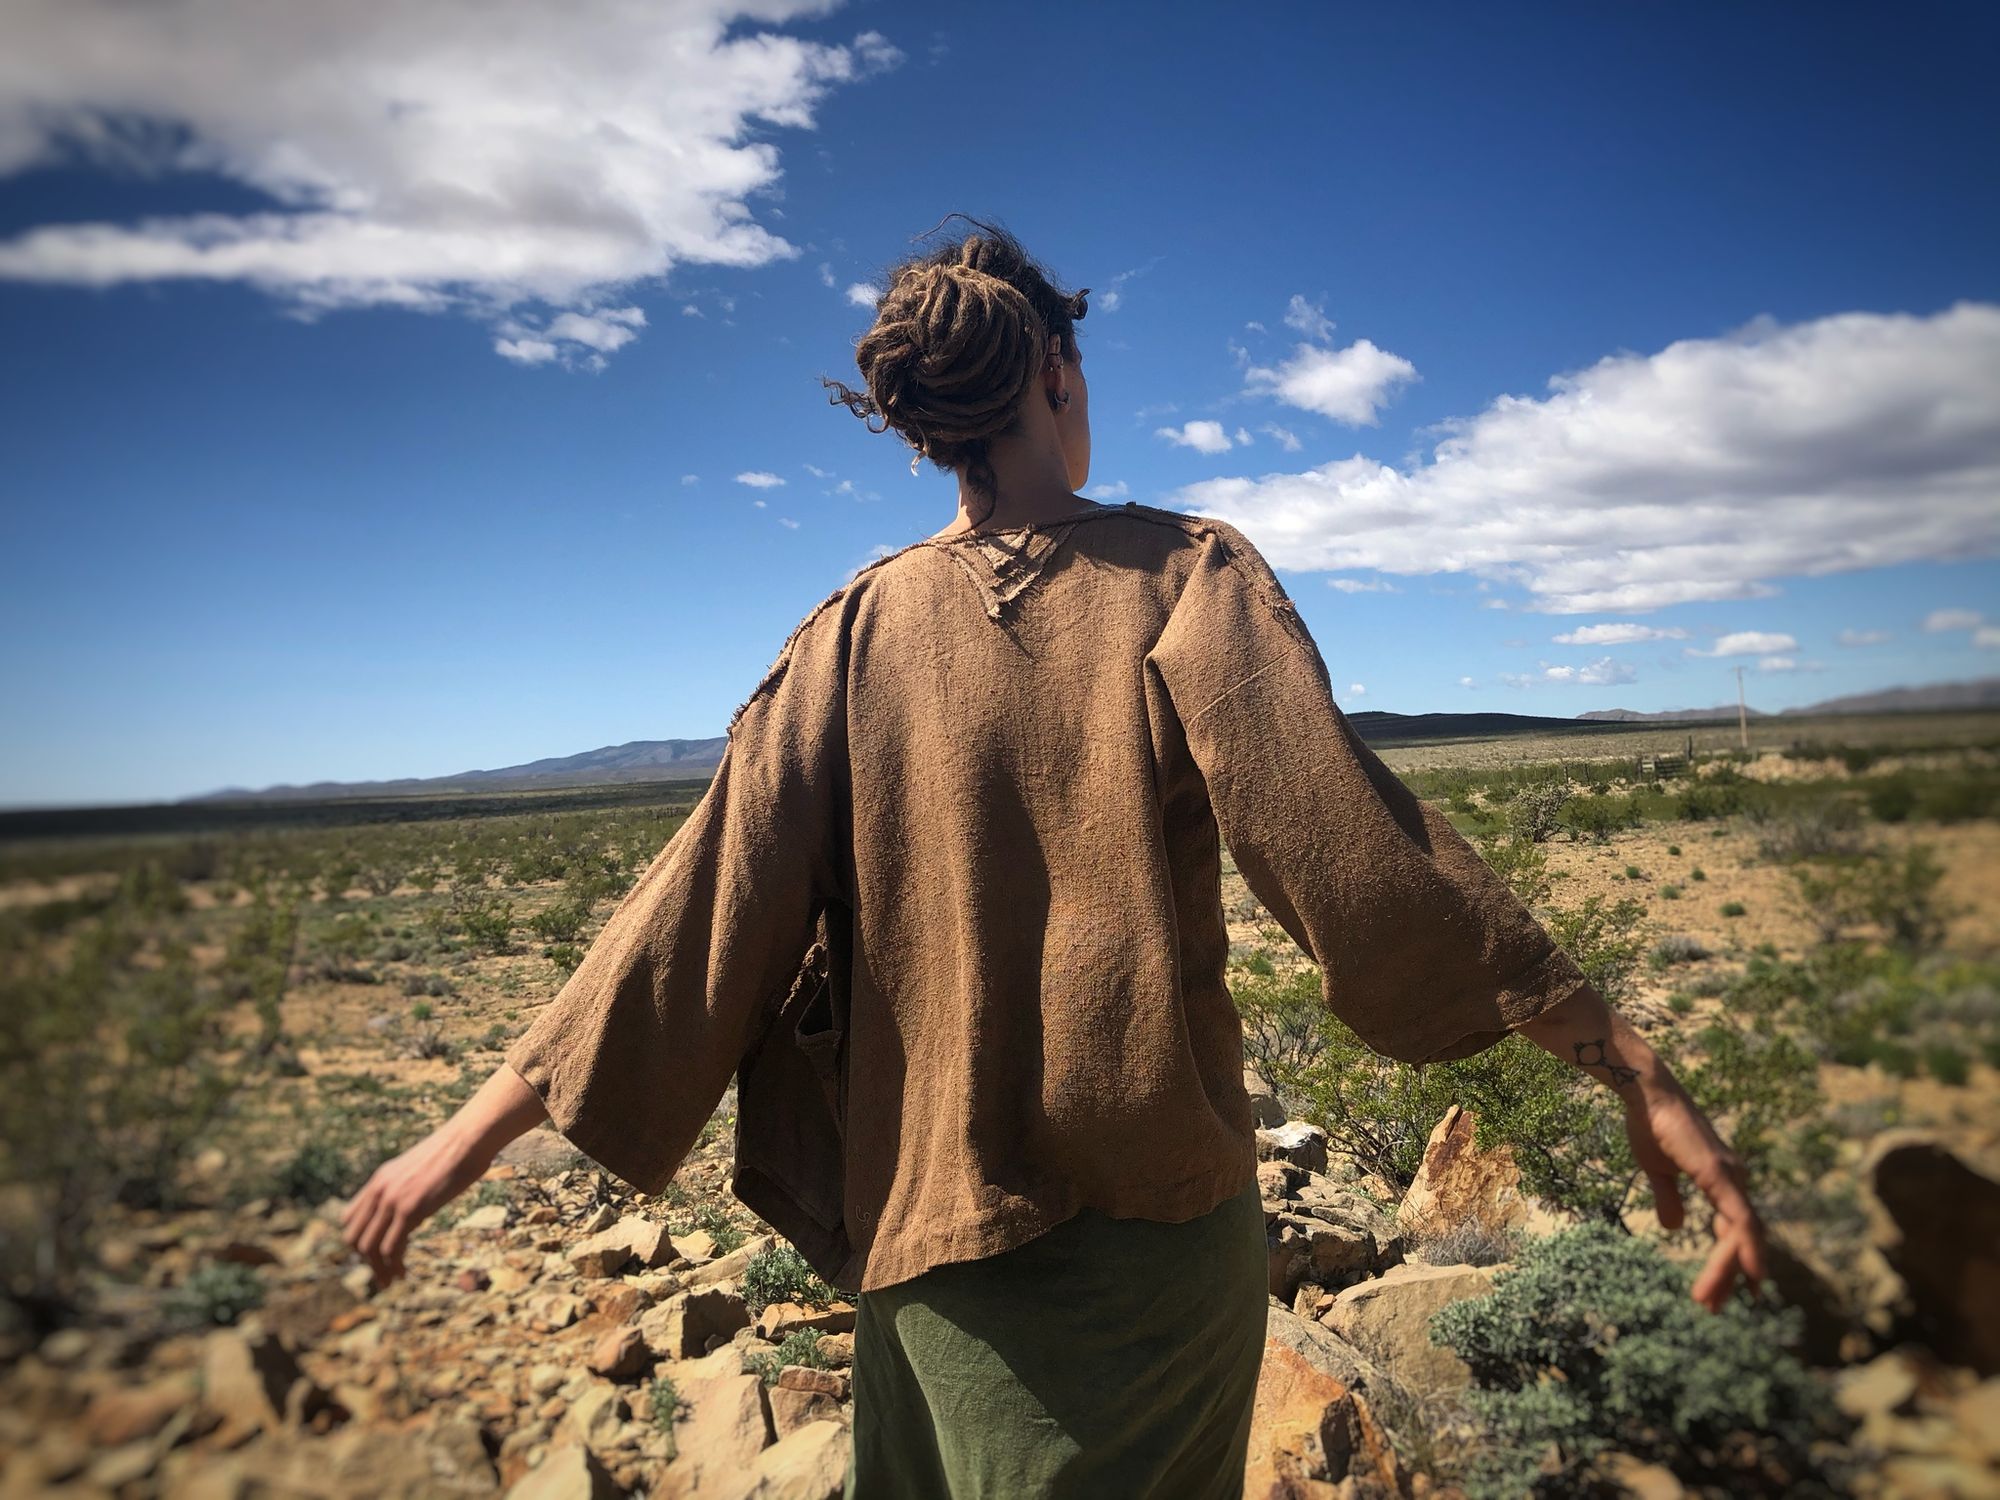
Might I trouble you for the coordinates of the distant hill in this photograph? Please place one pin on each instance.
(664, 760)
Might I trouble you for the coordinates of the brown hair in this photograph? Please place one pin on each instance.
(960, 335)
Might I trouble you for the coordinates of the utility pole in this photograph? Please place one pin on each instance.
(1742, 711)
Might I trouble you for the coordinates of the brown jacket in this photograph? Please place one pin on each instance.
(950, 908)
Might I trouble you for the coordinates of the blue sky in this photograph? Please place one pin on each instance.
(356, 380)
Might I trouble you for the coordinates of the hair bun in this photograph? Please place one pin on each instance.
(976, 342)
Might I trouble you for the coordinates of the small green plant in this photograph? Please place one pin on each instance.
(780, 1274)
(1677, 948)
(1593, 1345)
(1670, 893)
(1734, 909)
(1946, 1063)
(1697, 873)
(1674, 850)
(800, 1348)
(1632, 872)
(1680, 1003)
(218, 1292)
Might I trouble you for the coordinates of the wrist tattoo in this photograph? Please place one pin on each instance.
(1594, 1054)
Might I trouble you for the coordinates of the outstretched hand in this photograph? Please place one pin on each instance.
(1671, 1136)
(403, 1192)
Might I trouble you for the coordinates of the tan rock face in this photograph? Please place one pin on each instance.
(791, 1410)
(782, 1318)
(124, 1415)
(571, 1472)
(1388, 1320)
(252, 1384)
(681, 1327)
(727, 1424)
(1458, 1183)
(1310, 1434)
(620, 1353)
(631, 1239)
(808, 1464)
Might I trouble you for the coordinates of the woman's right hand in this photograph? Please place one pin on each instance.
(403, 1192)
(408, 1189)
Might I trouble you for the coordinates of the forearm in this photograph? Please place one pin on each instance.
(1585, 1031)
(503, 1108)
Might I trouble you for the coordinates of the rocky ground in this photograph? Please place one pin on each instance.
(557, 1341)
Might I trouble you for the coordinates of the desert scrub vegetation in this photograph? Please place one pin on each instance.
(1592, 1345)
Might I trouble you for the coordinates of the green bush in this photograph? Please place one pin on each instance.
(1892, 801)
(1895, 894)
(1734, 909)
(1593, 1345)
(800, 1348)
(1603, 939)
(1823, 828)
(219, 1291)
(1537, 811)
(780, 1274)
(1597, 818)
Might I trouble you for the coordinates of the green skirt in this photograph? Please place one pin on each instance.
(1110, 1358)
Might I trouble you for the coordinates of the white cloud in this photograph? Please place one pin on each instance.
(1778, 664)
(1243, 437)
(1953, 619)
(690, 479)
(1748, 643)
(1864, 637)
(760, 504)
(515, 161)
(1349, 385)
(1467, 682)
(1202, 436)
(1604, 672)
(1987, 638)
(1116, 490)
(1699, 473)
(825, 274)
(817, 472)
(1308, 318)
(787, 521)
(863, 294)
(1356, 690)
(1286, 438)
(1619, 633)
(1363, 585)
(759, 479)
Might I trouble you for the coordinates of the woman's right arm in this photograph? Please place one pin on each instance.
(408, 1189)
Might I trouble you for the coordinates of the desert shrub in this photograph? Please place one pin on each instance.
(1697, 873)
(1537, 811)
(1734, 909)
(1285, 1021)
(218, 1291)
(565, 956)
(1947, 1063)
(1670, 893)
(560, 923)
(1700, 800)
(1896, 894)
(488, 924)
(1891, 801)
(1598, 817)
(316, 1171)
(1819, 829)
(1676, 948)
(780, 1274)
(1523, 865)
(1470, 1242)
(800, 1348)
(1593, 1345)
(1603, 939)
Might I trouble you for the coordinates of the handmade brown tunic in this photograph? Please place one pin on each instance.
(952, 902)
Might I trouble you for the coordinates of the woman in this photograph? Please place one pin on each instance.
(997, 768)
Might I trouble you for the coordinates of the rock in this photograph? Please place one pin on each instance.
(1279, 1180)
(1323, 1349)
(598, 1220)
(1310, 1248)
(631, 1238)
(732, 1265)
(112, 1470)
(487, 1219)
(621, 1303)
(128, 1413)
(791, 1410)
(1309, 1432)
(555, 1311)
(1300, 1143)
(782, 1318)
(836, 1349)
(1388, 1320)
(546, 1380)
(570, 1472)
(253, 1384)
(805, 1378)
(1264, 1106)
(1460, 1184)
(697, 1247)
(597, 1417)
(810, 1463)
(1883, 1387)
(620, 1353)
(1943, 1238)
(727, 1425)
(1639, 1480)
(681, 1327)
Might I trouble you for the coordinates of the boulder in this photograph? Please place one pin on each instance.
(570, 1472)
(732, 1265)
(810, 1463)
(631, 1239)
(487, 1219)
(726, 1425)
(1309, 1433)
(681, 1326)
(1300, 1143)
(125, 1414)
(1323, 1349)
(1265, 1108)
(782, 1318)
(1459, 1184)
(805, 1378)
(791, 1410)
(1939, 1226)
(252, 1384)
(1388, 1320)
(1312, 1249)
(620, 1353)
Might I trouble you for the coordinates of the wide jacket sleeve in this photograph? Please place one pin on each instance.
(633, 1055)
(1423, 949)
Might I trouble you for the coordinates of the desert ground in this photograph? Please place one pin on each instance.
(218, 1022)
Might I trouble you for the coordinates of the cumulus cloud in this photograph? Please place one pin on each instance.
(1987, 637)
(1953, 619)
(517, 161)
(1747, 643)
(1202, 436)
(1286, 438)
(1619, 633)
(1363, 585)
(1349, 385)
(1864, 637)
(864, 294)
(1467, 682)
(759, 479)
(1356, 690)
(1604, 672)
(1701, 472)
(1117, 490)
